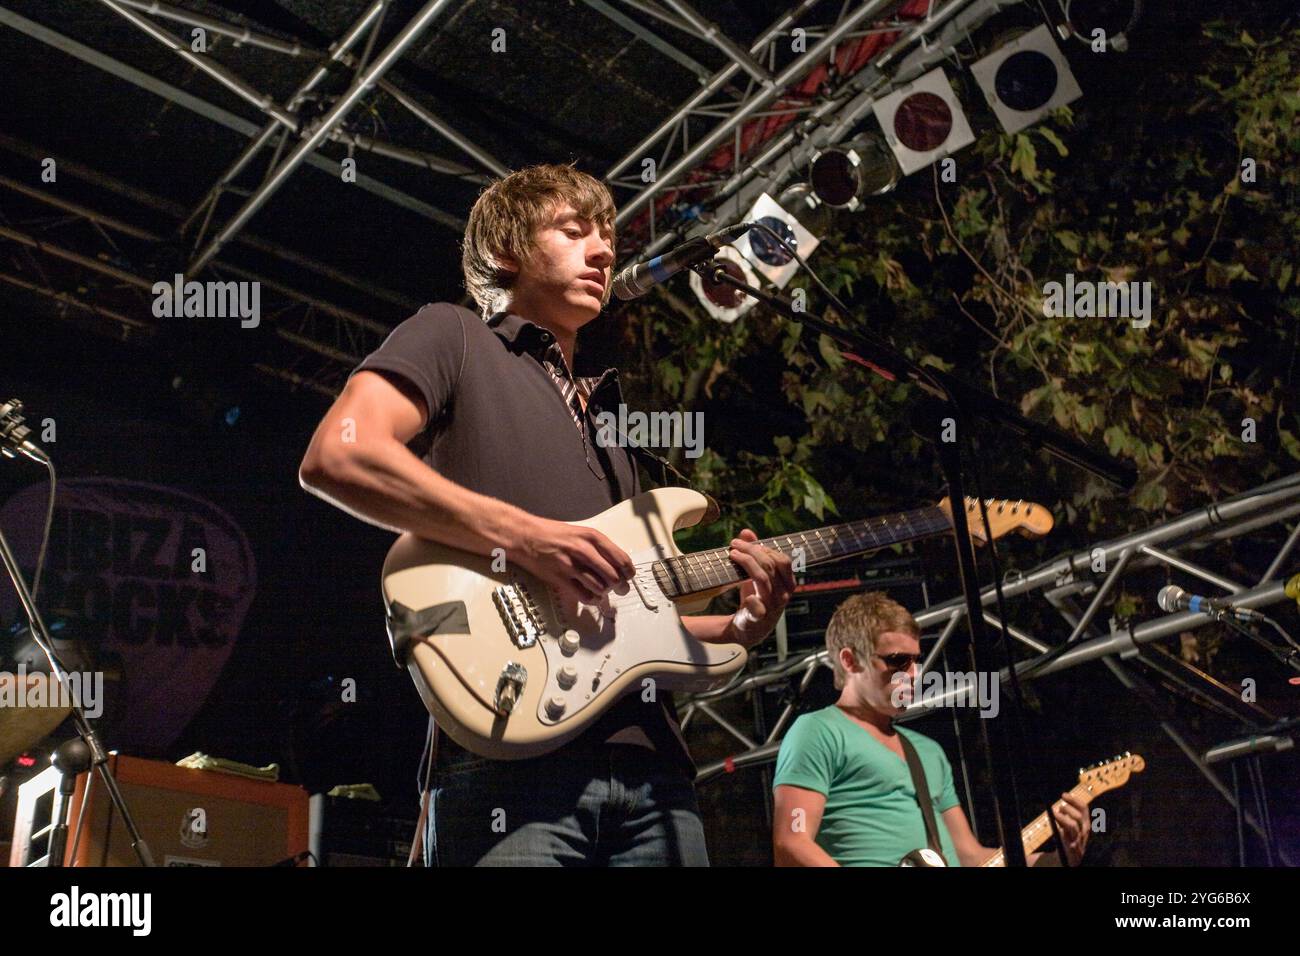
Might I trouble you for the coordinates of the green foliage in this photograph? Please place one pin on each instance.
(1152, 195)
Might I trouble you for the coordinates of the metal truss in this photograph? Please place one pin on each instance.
(59, 245)
(208, 110)
(764, 155)
(767, 120)
(1092, 575)
(331, 339)
(286, 118)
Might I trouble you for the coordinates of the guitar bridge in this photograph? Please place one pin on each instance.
(518, 613)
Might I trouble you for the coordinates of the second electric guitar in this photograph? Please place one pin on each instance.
(510, 670)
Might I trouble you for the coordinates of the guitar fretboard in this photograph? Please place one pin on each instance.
(1040, 830)
(705, 570)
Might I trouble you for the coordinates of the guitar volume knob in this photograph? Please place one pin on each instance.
(570, 641)
(567, 677)
(555, 707)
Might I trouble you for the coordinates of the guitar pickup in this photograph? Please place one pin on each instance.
(647, 588)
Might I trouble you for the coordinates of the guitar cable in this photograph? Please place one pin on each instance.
(423, 778)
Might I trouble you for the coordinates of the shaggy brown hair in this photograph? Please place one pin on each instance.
(859, 621)
(508, 213)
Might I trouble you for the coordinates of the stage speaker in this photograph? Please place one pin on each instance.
(187, 817)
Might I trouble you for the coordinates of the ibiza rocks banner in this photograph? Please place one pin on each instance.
(153, 576)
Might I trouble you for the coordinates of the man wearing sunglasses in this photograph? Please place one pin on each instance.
(843, 792)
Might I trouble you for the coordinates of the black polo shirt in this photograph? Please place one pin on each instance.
(499, 426)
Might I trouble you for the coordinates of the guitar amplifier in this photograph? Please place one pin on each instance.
(348, 832)
(187, 817)
(823, 588)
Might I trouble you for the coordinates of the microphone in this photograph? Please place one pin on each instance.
(13, 434)
(1262, 744)
(1173, 598)
(637, 280)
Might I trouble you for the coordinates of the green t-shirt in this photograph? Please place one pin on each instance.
(871, 816)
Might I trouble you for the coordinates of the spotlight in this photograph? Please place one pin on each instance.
(768, 256)
(800, 201)
(923, 121)
(1026, 79)
(724, 302)
(1114, 18)
(844, 174)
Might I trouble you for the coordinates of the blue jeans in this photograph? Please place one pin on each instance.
(613, 805)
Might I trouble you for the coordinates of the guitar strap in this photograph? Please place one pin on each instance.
(922, 796)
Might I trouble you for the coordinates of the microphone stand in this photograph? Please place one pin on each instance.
(959, 401)
(1286, 657)
(98, 756)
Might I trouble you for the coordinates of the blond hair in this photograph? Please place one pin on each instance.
(859, 621)
(508, 213)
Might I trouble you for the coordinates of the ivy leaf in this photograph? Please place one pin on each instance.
(1117, 439)
(1055, 140)
(812, 399)
(670, 374)
(1069, 239)
(830, 352)
(1290, 443)
(1152, 496)
(1024, 160)
(1220, 275)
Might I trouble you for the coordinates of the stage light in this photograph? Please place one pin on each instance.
(843, 175)
(724, 302)
(800, 201)
(768, 256)
(1026, 79)
(1114, 18)
(923, 121)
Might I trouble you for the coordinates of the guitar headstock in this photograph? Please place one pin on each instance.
(1111, 774)
(1005, 516)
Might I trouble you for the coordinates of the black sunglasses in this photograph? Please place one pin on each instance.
(898, 662)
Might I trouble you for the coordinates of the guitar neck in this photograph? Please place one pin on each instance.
(1038, 832)
(707, 570)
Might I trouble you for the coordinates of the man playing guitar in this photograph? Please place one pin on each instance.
(502, 455)
(843, 793)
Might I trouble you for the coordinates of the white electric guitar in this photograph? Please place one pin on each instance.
(510, 670)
